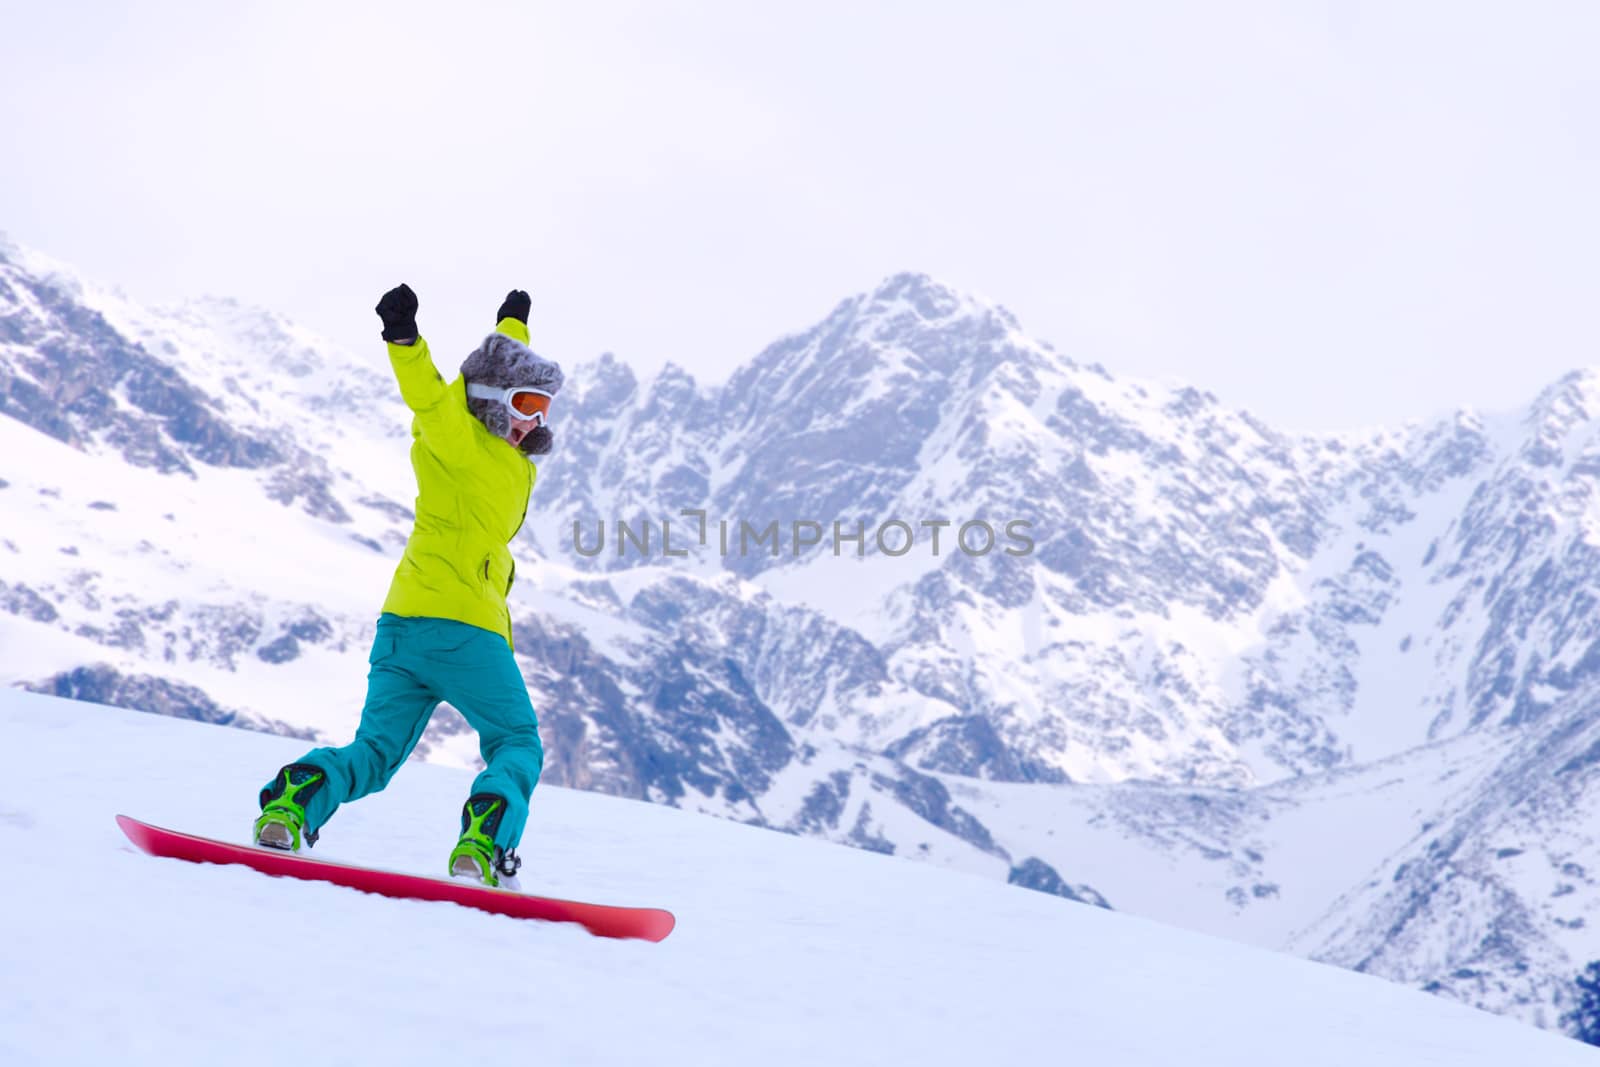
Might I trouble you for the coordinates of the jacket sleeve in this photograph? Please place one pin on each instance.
(441, 416)
(515, 329)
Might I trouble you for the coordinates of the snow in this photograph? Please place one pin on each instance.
(787, 951)
(1314, 837)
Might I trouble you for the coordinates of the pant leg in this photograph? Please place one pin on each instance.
(486, 686)
(399, 703)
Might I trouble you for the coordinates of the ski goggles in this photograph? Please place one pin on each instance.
(523, 402)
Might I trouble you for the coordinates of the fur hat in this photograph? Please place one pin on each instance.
(504, 362)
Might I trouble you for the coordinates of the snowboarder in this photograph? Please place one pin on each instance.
(445, 630)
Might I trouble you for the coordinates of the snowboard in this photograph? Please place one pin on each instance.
(603, 920)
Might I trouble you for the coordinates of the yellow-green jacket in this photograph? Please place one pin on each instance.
(472, 495)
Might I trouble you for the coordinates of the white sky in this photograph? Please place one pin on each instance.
(1330, 214)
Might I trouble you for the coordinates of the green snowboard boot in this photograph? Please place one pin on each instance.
(283, 807)
(476, 855)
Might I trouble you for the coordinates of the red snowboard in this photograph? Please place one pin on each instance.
(649, 924)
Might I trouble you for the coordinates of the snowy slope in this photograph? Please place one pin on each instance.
(787, 951)
(1465, 867)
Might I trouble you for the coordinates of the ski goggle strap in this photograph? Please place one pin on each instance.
(523, 402)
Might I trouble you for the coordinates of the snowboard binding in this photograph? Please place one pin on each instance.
(283, 812)
(476, 855)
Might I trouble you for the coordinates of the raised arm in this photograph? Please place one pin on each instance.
(440, 416)
(512, 318)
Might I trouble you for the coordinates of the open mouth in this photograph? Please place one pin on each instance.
(517, 434)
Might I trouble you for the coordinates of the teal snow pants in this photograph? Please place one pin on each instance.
(416, 663)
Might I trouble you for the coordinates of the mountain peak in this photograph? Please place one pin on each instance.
(607, 382)
(675, 374)
(929, 299)
(910, 334)
(48, 272)
(912, 285)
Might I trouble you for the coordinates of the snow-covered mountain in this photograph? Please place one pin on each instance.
(786, 951)
(1329, 694)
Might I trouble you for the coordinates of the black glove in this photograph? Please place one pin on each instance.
(538, 442)
(517, 305)
(398, 310)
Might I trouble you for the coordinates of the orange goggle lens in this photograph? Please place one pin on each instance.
(529, 404)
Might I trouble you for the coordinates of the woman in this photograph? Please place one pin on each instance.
(445, 631)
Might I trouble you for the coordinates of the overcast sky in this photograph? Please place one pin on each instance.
(1333, 215)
